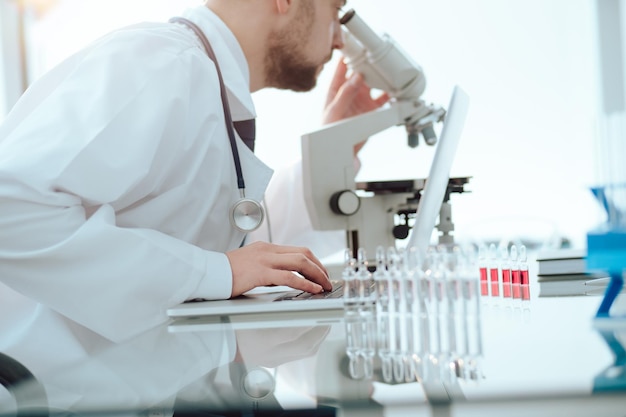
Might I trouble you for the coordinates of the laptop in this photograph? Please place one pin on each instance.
(285, 299)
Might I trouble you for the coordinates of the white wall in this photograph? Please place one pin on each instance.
(528, 65)
(71, 24)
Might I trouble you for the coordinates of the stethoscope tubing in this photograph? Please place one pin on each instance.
(246, 214)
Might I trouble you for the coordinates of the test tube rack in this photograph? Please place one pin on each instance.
(417, 316)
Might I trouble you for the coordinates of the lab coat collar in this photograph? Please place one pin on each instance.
(232, 61)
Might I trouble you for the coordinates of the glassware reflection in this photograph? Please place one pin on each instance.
(612, 378)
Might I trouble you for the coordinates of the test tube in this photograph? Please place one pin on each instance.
(466, 276)
(366, 310)
(352, 318)
(412, 274)
(423, 300)
(454, 301)
(431, 358)
(472, 316)
(381, 280)
(398, 314)
(458, 337)
(444, 312)
(474, 346)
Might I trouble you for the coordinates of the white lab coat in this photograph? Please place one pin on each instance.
(116, 177)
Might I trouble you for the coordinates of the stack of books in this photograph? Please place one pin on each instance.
(562, 272)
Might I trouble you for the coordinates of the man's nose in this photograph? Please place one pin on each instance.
(338, 36)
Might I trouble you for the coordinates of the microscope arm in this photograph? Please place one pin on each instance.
(328, 158)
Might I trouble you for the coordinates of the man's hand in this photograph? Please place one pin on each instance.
(349, 96)
(260, 264)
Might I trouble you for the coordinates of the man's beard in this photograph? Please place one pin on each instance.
(286, 65)
(289, 70)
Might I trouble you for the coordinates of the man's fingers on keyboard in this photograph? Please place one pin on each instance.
(292, 280)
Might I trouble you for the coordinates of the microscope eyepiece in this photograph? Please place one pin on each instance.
(347, 16)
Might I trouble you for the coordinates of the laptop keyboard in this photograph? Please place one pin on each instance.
(337, 292)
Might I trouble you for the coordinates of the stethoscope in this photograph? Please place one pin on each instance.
(246, 214)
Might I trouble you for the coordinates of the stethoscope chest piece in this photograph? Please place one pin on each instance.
(247, 215)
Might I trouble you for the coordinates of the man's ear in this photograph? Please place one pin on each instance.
(283, 6)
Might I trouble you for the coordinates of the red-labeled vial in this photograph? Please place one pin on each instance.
(523, 266)
(505, 270)
(516, 275)
(493, 271)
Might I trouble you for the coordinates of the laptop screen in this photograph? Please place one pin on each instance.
(439, 175)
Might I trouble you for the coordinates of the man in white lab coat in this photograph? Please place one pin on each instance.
(117, 175)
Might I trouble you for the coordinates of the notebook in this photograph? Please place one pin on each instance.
(282, 299)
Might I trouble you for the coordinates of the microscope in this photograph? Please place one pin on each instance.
(374, 213)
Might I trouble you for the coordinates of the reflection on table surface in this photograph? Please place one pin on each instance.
(538, 358)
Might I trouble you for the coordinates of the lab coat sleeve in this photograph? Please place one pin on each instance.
(288, 219)
(70, 157)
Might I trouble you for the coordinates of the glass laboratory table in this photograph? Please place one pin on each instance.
(539, 357)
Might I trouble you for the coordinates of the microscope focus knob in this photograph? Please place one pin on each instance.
(401, 231)
(345, 203)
